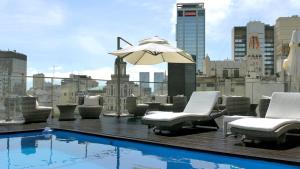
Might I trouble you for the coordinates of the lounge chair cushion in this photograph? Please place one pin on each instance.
(284, 106)
(169, 116)
(261, 124)
(91, 100)
(43, 108)
(202, 102)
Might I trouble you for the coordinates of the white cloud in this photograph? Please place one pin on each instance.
(30, 14)
(90, 44)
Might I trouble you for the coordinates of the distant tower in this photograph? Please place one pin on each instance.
(159, 78)
(144, 77)
(38, 81)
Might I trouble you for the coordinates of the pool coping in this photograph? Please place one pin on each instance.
(288, 162)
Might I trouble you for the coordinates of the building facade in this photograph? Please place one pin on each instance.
(224, 68)
(75, 86)
(144, 79)
(241, 39)
(38, 81)
(190, 36)
(127, 88)
(13, 69)
(160, 83)
(284, 27)
(190, 30)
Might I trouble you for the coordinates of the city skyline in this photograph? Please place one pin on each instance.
(76, 37)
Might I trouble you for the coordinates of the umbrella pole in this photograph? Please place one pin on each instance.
(118, 75)
(118, 88)
(118, 80)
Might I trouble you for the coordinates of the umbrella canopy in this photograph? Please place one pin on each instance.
(153, 51)
(292, 63)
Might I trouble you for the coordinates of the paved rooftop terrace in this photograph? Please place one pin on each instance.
(199, 139)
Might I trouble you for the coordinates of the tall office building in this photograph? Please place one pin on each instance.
(190, 36)
(190, 30)
(144, 79)
(159, 78)
(283, 31)
(241, 39)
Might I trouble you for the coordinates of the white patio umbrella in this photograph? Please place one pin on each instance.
(292, 63)
(152, 51)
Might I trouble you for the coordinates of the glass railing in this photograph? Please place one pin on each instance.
(53, 91)
(252, 88)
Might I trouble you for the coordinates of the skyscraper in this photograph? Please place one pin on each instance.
(241, 39)
(159, 78)
(144, 79)
(190, 30)
(190, 36)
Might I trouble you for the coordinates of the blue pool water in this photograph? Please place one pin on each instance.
(61, 149)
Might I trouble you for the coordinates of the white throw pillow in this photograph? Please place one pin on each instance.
(91, 100)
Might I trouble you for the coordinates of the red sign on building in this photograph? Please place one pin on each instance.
(190, 13)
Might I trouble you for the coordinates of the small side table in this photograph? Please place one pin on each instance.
(227, 119)
(66, 111)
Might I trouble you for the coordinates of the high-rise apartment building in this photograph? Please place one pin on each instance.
(283, 31)
(159, 79)
(241, 39)
(190, 36)
(144, 79)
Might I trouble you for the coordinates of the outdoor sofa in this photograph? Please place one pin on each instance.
(134, 108)
(198, 111)
(283, 115)
(91, 108)
(32, 112)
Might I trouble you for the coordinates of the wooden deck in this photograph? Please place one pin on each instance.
(199, 139)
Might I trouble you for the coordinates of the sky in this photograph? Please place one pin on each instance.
(61, 37)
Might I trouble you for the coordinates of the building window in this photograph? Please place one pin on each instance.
(210, 85)
(236, 73)
(225, 73)
(179, 13)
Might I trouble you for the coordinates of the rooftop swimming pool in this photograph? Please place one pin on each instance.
(69, 150)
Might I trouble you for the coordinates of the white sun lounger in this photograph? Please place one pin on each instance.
(282, 116)
(198, 110)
